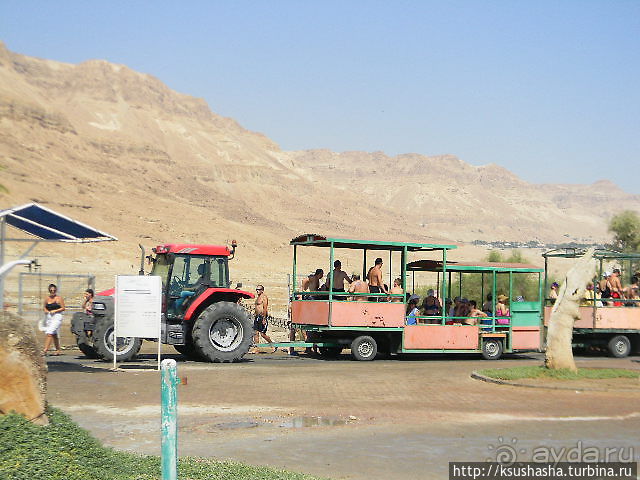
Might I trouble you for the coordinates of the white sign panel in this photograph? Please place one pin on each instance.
(138, 306)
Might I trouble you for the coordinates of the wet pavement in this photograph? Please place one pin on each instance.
(401, 418)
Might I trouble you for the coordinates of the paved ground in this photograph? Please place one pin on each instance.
(401, 418)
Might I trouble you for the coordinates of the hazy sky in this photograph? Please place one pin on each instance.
(547, 89)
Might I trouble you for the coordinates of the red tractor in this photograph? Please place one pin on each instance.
(201, 314)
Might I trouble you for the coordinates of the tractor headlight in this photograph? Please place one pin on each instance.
(99, 306)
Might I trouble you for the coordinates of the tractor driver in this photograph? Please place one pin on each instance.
(189, 291)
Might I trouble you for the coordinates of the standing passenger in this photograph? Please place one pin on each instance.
(374, 277)
(339, 277)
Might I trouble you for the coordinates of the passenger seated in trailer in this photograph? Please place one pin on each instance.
(397, 290)
(487, 307)
(412, 310)
(312, 284)
(553, 292)
(358, 286)
(590, 296)
(634, 295)
(447, 305)
(628, 291)
(464, 311)
(431, 304)
(339, 277)
(475, 313)
(502, 310)
(454, 308)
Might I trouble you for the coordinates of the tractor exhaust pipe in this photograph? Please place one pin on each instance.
(141, 272)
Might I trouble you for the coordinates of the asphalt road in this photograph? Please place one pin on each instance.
(400, 418)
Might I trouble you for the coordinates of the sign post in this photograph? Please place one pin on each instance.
(169, 420)
(138, 309)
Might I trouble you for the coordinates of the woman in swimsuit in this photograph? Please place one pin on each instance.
(53, 308)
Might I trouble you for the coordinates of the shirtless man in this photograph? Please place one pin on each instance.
(339, 277)
(614, 281)
(397, 290)
(374, 277)
(312, 282)
(260, 323)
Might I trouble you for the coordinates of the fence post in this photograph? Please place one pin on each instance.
(169, 419)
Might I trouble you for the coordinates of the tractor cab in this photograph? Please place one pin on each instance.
(189, 271)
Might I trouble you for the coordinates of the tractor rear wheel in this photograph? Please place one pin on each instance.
(126, 347)
(222, 333)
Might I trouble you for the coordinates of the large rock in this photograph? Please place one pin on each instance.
(23, 381)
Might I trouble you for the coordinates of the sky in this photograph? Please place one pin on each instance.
(547, 89)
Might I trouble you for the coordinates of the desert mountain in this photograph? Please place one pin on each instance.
(121, 151)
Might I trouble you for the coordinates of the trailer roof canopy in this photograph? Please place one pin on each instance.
(313, 239)
(599, 253)
(436, 266)
(46, 224)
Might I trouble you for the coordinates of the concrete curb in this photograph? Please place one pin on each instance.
(475, 375)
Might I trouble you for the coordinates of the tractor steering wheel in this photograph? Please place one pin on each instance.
(176, 284)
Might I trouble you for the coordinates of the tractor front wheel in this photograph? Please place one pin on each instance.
(222, 333)
(85, 344)
(103, 340)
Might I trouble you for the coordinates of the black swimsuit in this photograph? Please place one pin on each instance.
(53, 306)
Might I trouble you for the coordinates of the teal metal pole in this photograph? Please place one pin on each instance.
(169, 419)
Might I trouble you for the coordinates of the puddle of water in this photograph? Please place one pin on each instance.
(303, 422)
(235, 425)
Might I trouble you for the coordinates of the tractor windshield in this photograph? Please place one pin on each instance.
(190, 271)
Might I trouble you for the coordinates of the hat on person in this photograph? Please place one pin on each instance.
(555, 284)
(414, 298)
(606, 274)
(502, 298)
(430, 292)
(519, 298)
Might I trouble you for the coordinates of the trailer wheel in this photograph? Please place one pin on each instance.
(222, 333)
(85, 345)
(619, 346)
(492, 349)
(330, 352)
(364, 348)
(103, 341)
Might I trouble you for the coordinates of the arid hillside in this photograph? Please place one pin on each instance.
(119, 150)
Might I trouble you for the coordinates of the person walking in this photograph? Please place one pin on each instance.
(53, 308)
(260, 323)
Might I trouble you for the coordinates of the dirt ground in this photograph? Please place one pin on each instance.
(404, 417)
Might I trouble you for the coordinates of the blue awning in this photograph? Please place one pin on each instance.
(46, 224)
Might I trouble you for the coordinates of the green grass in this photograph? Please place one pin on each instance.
(64, 451)
(562, 374)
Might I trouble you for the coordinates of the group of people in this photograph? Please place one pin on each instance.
(52, 320)
(607, 292)
(374, 282)
(460, 310)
